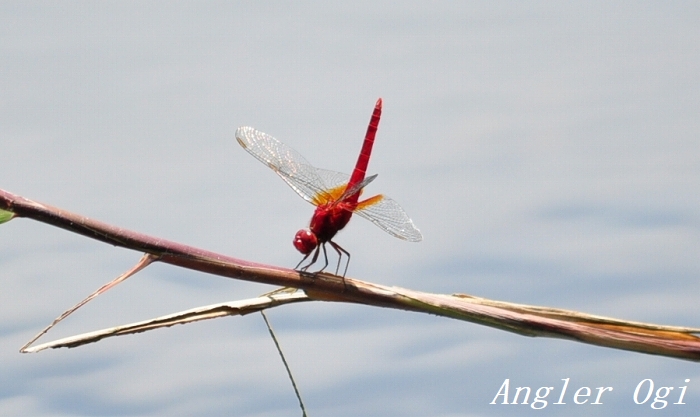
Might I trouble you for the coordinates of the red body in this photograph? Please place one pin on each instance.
(329, 218)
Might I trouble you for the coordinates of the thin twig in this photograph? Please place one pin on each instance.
(284, 361)
(146, 260)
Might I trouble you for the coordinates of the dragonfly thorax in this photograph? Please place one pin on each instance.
(305, 241)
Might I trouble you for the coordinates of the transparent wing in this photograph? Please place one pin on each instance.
(390, 217)
(320, 185)
(312, 184)
(332, 179)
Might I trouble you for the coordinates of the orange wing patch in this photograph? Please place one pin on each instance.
(370, 201)
(331, 195)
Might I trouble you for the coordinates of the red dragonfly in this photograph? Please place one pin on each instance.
(335, 195)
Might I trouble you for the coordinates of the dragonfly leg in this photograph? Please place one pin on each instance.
(302, 261)
(313, 260)
(339, 249)
(325, 258)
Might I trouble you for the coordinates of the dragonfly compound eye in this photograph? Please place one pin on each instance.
(305, 241)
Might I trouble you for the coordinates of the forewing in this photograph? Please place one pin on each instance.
(296, 171)
(332, 179)
(390, 217)
(337, 182)
(357, 188)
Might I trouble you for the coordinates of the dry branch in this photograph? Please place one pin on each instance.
(671, 341)
(234, 308)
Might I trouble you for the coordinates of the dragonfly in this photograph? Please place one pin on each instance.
(335, 195)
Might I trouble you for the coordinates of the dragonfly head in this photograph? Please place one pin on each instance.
(305, 241)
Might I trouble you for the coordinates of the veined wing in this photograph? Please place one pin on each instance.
(390, 217)
(332, 179)
(335, 185)
(309, 182)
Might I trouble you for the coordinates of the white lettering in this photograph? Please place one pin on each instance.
(539, 398)
(639, 386)
(563, 391)
(659, 398)
(601, 390)
(680, 400)
(502, 391)
(517, 393)
(579, 394)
